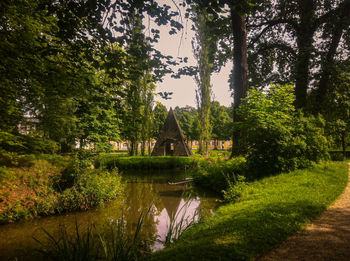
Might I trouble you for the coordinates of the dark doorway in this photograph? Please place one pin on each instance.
(169, 148)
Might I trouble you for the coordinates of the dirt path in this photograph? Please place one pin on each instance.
(327, 238)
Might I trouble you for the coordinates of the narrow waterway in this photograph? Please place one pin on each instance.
(166, 201)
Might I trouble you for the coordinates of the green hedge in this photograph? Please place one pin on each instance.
(145, 163)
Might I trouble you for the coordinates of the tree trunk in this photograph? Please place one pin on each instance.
(240, 73)
(134, 148)
(149, 147)
(143, 147)
(305, 32)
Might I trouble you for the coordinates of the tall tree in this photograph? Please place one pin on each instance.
(283, 36)
(240, 71)
(204, 46)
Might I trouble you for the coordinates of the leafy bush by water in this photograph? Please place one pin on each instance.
(38, 187)
(215, 175)
(91, 188)
(235, 189)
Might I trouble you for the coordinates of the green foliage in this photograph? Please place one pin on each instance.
(269, 210)
(337, 109)
(54, 184)
(235, 189)
(78, 163)
(160, 113)
(278, 138)
(337, 156)
(91, 188)
(221, 122)
(188, 117)
(145, 163)
(218, 175)
(12, 146)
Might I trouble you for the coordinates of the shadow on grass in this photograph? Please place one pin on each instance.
(327, 239)
(241, 235)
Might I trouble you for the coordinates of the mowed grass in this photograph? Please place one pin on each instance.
(268, 211)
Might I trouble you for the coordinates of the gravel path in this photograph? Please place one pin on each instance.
(327, 238)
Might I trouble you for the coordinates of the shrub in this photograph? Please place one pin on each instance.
(337, 156)
(215, 175)
(278, 138)
(235, 189)
(79, 162)
(91, 188)
(11, 146)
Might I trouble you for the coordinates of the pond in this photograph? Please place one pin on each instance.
(167, 200)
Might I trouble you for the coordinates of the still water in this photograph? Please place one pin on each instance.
(158, 192)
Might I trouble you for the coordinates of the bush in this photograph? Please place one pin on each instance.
(278, 138)
(217, 175)
(235, 189)
(38, 180)
(337, 156)
(91, 188)
(38, 145)
(79, 162)
(11, 146)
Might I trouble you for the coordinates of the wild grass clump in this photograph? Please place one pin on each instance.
(114, 243)
(76, 247)
(179, 223)
(145, 163)
(268, 211)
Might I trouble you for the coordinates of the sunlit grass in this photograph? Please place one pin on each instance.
(268, 211)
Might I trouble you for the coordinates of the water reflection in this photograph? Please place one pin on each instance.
(165, 203)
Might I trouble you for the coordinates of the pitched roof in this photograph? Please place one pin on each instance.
(171, 133)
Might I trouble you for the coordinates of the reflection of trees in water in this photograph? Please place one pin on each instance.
(166, 201)
(139, 198)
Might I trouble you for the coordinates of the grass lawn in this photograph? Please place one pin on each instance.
(268, 211)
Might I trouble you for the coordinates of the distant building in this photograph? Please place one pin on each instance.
(171, 140)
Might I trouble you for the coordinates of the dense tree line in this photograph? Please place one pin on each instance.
(86, 71)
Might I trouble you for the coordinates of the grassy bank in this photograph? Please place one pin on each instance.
(45, 185)
(267, 212)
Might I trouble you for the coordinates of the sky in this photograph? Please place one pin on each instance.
(184, 88)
